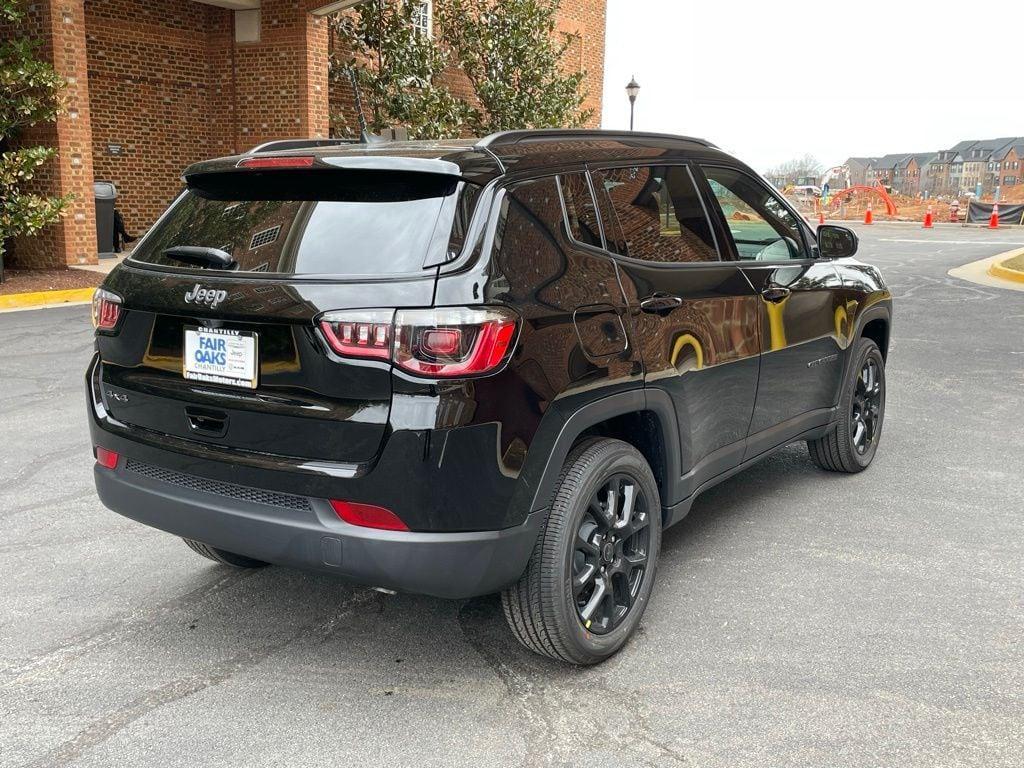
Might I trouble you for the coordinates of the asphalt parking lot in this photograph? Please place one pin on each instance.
(799, 618)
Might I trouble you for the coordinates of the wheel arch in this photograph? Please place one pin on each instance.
(644, 418)
(877, 329)
(873, 323)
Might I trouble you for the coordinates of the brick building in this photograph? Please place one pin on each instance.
(911, 173)
(153, 87)
(883, 169)
(1011, 165)
(936, 180)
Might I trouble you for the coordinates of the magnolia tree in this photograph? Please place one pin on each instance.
(30, 94)
(513, 58)
(397, 70)
(508, 51)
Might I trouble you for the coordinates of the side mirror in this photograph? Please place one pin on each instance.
(836, 242)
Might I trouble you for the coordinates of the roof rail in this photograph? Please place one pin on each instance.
(511, 138)
(283, 145)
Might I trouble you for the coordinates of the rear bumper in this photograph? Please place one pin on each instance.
(305, 533)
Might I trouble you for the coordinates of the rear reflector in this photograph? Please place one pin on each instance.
(106, 458)
(304, 161)
(368, 516)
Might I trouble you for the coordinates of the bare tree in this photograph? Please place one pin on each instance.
(797, 170)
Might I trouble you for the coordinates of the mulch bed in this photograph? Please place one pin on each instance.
(29, 280)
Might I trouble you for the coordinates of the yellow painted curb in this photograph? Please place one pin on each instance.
(998, 268)
(43, 298)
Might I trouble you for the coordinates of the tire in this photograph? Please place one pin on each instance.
(841, 450)
(222, 556)
(544, 609)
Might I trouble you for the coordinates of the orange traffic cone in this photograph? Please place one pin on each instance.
(867, 215)
(993, 220)
(928, 218)
(821, 218)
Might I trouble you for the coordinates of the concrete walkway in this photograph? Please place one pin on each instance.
(105, 266)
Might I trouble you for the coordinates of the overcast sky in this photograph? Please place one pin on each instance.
(772, 81)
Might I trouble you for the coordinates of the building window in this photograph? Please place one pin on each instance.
(423, 18)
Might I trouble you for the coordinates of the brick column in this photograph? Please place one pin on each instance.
(281, 81)
(317, 111)
(59, 25)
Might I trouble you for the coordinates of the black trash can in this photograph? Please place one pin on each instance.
(106, 195)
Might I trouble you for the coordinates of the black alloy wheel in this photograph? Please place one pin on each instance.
(593, 567)
(609, 561)
(852, 443)
(867, 405)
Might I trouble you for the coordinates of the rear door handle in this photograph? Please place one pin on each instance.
(775, 293)
(660, 304)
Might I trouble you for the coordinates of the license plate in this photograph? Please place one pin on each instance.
(220, 356)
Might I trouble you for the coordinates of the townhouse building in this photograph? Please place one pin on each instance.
(1010, 161)
(883, 169)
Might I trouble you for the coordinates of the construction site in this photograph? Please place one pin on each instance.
(893, 206)
(973, 182)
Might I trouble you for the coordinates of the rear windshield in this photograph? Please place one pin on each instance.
(317, 222)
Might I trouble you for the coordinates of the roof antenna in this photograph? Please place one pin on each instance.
(364, 135)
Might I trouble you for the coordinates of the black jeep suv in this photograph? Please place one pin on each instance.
(463, 367)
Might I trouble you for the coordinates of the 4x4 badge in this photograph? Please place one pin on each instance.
(200, 295)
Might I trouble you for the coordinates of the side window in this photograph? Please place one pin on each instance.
(762, 227)
(658, 213)
(580, 211)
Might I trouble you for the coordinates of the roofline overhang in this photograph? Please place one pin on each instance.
(335, 7)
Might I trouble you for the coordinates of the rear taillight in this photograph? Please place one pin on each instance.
(452, 342)
(106, 458)
(359, 333)
(106, 310)
(448, 342)
(368, 516)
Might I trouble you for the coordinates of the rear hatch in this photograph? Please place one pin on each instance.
(217, 339)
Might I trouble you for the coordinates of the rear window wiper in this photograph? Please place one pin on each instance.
(201, 256)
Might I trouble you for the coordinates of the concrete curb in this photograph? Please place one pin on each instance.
(46, 298)
(998, 269)
(979, 272)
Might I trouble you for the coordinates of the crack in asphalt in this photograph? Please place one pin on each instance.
(58, 657)
(560, 724)
(110, 724)
(28, 400)
(39, 464)
(49, 503)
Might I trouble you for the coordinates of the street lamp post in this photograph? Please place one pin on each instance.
(632, 90)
